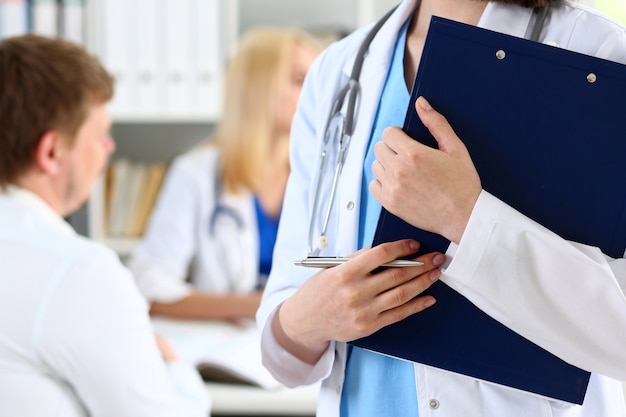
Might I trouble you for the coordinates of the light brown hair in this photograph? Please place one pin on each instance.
(45, 84)
(245, 132)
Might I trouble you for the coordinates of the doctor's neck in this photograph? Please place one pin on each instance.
(466, 11)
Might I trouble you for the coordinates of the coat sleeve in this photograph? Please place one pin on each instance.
(566, 297)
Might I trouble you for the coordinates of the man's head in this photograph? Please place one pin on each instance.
(54, 135)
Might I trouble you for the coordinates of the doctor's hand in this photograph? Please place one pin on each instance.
(433, 189)
(348, 301)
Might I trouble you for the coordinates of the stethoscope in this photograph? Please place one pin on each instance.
(339, 128)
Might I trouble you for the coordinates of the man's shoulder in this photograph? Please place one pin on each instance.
(31, 232)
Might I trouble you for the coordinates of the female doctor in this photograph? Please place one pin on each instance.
(208, 244)
(306, 316)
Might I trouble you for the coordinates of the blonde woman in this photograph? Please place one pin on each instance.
(209, 242)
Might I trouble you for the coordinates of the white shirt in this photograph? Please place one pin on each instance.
(581, 312)
(199, 233)
(75, 337)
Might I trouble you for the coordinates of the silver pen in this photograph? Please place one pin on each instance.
(329, 261)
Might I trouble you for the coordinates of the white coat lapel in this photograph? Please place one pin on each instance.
(373, 75)
(240, 240)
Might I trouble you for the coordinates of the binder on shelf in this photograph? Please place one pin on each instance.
(150, 187)
(543, 131)
(178, 38)
(117, 53)
(135, 185)
(206, 76)
(72, 22)
(147, 75)
(45, 17)
(130, 192)
(119, 195)
(13, 18)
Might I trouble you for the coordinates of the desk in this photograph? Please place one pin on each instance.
(244, 400)
(236, 346)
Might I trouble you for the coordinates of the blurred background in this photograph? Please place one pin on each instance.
(168, 59)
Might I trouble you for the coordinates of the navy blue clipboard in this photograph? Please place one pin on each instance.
(547, 133)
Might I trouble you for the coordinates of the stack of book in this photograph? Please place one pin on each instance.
(131, 189)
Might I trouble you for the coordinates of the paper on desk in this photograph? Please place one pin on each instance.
(221, 351)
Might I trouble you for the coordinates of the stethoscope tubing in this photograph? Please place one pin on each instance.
(351, 91)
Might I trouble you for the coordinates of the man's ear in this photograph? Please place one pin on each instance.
(49, 152)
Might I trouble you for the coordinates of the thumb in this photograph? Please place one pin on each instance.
(438, 126)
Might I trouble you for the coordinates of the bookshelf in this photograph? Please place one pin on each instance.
(153, 123)
(168, 58)
(157, 128)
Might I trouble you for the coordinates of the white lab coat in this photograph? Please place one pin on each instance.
(183, 248)
(75, 336)
(579, 314)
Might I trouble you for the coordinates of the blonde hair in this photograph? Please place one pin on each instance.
(245, 133)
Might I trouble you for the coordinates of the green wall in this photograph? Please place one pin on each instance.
(614, 8)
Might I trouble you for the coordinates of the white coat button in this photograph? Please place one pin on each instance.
(338, 389)
(433, 404)
(350, 205)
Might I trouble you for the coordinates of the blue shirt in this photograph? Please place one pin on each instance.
(377, 385)
(268, 228)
